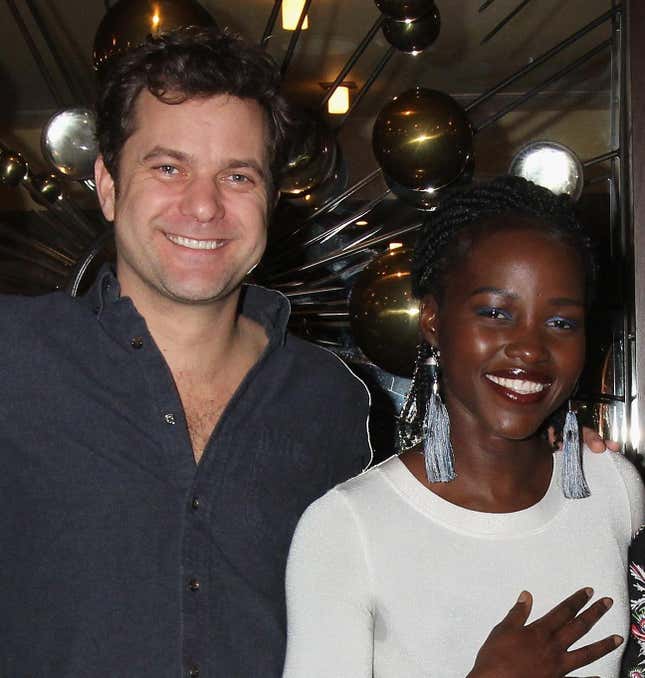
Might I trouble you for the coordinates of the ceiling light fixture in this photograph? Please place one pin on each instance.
(291, 10)
(338, 102)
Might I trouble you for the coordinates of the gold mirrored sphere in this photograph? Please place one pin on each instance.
(404, 9)
(49, 189)
(422, 139)
(312, 158)
(13, 168)
(383, 313)
(413, 35)
(129, 22)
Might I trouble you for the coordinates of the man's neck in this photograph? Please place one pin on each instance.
(195, 339)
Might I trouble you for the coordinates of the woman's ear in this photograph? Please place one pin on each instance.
(429, 319)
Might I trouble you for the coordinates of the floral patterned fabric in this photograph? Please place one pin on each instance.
(634, 657)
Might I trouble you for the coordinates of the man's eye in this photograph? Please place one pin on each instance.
(493, 312)
(562, 323)
(239, 178)
(168, 170)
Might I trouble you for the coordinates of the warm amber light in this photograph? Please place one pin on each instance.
(395, 246)
(156, 19)
(291, 10)
(339, 101)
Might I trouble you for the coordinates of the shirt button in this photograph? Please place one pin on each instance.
(136, 342)
(169, 418)
(195, 503)
(193, 672)
(193, 584)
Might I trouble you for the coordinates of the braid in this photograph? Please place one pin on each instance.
(439, 248)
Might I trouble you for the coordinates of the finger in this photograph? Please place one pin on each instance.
(582, 624)
(593, 440)
(519, 613)
(551, 435)
(565, 611)
(589, 653)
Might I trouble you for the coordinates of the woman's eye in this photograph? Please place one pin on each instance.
(562, 323)
(493, 312)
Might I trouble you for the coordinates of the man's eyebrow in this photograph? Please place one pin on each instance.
(232, 163)
(163, 151)
(494, 290)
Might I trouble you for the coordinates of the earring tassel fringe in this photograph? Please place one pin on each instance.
(574, 484)
(437, 449)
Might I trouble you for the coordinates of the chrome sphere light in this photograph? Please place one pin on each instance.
(552, 165)
(68, 143)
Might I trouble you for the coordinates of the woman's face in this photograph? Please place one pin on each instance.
(510, 328)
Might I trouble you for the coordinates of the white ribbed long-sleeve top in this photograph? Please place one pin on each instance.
(387, 579)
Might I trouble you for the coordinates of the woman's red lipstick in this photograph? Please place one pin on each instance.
(519, 385)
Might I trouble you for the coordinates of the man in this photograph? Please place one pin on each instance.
(161, 436)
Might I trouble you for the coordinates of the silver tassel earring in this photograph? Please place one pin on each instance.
(437, 449)
(574, 484)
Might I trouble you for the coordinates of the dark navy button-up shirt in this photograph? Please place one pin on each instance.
(121, 557)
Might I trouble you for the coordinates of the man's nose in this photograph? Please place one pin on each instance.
(202, 200)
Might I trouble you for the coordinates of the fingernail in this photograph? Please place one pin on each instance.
(589, 591)
(618, 640)
(607, 602)
(524, 597)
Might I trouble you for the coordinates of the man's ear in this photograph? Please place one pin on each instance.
(105, 189)
(429, 319)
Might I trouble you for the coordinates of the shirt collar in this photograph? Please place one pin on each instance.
(268, 308)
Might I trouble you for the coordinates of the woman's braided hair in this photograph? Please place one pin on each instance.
(448, 234)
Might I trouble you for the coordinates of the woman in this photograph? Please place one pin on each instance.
(404, 571)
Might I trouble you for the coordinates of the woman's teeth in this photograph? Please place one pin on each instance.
(193, 244)
(520, 386)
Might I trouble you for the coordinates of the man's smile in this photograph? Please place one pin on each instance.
(194, 243)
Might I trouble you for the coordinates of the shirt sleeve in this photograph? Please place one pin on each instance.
(329, 608)
(635, 490)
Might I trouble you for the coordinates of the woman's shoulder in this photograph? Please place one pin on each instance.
(351, 496)
(615, 480)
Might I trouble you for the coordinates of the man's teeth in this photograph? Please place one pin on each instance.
(520, 386)
(193, 244)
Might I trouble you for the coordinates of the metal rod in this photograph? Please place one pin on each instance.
(368, 83)
(485, 5)
(619, 53)
(75, 279)
(538, 61)
(71, 82)
(332, 278)
(268, 31)
(332, 231)
(598, 180)
(306, 291)
(504, 21)
(294, 39)
(601, 158)
(353, 59)
(539, 88)
(320, 313)
(341, 254)
(37, 245)
(44, 71)
(333, 203)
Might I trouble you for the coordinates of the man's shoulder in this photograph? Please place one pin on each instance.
(320, 363)
(42, 313)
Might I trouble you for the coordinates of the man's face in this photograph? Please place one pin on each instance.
(191, 206)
